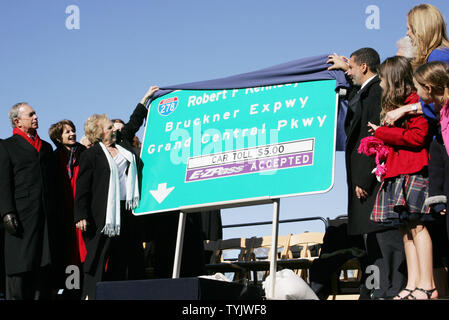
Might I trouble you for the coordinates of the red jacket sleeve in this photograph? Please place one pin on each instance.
(414, 136)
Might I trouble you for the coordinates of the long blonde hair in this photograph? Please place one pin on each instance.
(429, 30)
(397, 79)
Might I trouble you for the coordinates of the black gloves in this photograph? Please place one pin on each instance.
(11, 224)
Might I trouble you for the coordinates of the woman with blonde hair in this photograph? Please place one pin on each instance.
(427, 30)
(107, 190)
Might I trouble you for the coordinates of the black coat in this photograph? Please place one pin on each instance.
(28, 189)
(2, 248)
(67, 232)
(438, 174)
(363, 107)
(126, 135)
(91, 196)
(437, 199)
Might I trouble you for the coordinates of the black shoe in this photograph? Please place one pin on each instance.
(427, 292)
(404, 297)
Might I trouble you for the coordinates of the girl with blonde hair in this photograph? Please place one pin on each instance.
(432, 82)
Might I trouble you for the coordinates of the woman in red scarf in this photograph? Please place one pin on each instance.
(68, 151)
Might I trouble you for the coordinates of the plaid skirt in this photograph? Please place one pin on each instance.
(401, 199)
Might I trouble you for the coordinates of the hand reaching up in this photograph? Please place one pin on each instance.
(149, 94)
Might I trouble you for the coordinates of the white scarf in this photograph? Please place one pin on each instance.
(112, 223)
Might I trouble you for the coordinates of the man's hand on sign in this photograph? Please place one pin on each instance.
(149, 94)
(338, 62)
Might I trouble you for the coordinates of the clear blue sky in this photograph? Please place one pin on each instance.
(123, 47)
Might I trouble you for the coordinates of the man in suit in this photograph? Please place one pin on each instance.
(381, 244)
(27, 206)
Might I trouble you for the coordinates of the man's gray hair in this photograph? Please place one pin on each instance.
(406, 48)
(14, 112)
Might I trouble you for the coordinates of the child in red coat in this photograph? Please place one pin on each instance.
(404, 189)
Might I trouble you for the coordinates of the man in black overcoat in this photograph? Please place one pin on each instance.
(2, 251)
(27, 206)
(383, 245)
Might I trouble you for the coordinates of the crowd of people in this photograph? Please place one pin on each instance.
(73, 205)
(400, 107)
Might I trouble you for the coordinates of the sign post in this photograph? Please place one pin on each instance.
(274, 245)
(179, 244)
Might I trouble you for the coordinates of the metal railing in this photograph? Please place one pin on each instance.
(251, 224)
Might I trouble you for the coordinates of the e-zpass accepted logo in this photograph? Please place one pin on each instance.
(167, 106)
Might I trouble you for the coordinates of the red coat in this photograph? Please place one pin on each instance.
(408, 147)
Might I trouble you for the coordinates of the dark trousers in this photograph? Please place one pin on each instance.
(2, 264)
(126, 258)
(33, 285)
(192, 259)
(373, 258)
(394, 277)
(73, 293)
(385, 250)
(120, 258)
(90, 279)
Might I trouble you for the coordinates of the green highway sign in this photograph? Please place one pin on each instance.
(209, 148)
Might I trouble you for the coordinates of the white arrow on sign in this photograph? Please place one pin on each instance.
(162, 192)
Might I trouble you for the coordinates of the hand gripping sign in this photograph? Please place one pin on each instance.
(224, 147)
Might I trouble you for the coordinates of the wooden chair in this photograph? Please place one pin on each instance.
(221, 261)
(221, 248)
(343, 286)
(261, 251)
(301, 246)
(264, 244)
